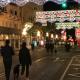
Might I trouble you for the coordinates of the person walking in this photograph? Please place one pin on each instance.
(7, 52)
(32, 46)
(25, 60)
(51, 43)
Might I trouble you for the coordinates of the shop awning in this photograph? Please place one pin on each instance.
(4, 30)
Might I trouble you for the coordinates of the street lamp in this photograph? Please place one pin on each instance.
(6, 37)
(64, 5)
(52, 36)
(56, 36)
(47, 34)
(38, 33)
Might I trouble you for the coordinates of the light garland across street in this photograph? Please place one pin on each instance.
(52, 16)
(20, 2)
(23, 2)
(3, 2)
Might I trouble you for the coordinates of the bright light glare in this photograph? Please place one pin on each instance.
(7, 37)
(38, 33)
(56, 36)
(42, 42)
(26, 28)
(47, 34)
(52, 36)
(24, 32)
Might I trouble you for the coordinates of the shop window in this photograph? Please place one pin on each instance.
(35, 8)
(15, 13)
(5, 10)
(1, 9)
(31, 18)
(14, 25)
(20, 14)
(12, 43)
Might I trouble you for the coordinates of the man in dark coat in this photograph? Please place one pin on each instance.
(25, 59)
(7, 52)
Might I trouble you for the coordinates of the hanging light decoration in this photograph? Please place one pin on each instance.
(23, 2)
(39, 2)
(4, 2)
(20, 2)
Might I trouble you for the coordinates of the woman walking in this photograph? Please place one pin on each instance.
(25, 60)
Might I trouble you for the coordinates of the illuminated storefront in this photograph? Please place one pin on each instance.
(64, 19)
(12, 34)
(11, 25)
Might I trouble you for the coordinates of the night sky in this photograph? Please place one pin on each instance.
(51, 6)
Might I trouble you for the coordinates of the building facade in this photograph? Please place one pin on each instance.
(29, 15)
(29, 11)
(10, 24)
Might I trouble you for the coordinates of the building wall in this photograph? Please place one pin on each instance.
(29, 15)
(29, 12)
(11, 24)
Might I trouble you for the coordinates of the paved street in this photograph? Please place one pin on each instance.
(49, 67)
(72, 71)
(40, 25)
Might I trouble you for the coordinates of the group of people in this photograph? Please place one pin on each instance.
(49, 45)
(67, 46)
(24, 58)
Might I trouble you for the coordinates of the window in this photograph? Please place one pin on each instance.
(35, 8)
(31, 18)
(1, 9)
(15, 12)
(5, 10)
(11, 11)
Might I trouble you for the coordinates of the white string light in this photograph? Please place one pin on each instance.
(23, 2)
(69, 15)
(20, 2)
(3, 2)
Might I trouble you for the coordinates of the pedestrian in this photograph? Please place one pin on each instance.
(7, 52)
(25, 60)
(51, 46)
(32, 46)
(47, 46)
(67, 46)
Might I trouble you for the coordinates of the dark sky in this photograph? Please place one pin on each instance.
(50, 6)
